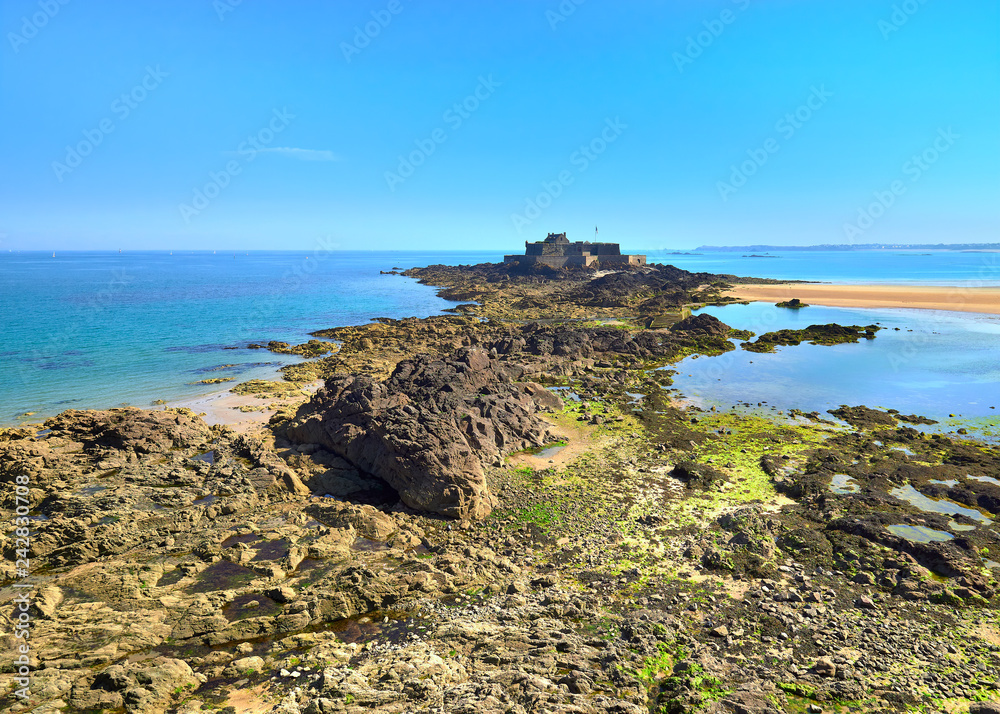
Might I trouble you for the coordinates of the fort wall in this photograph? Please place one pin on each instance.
(556, 251)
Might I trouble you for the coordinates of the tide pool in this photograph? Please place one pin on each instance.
(935, 364)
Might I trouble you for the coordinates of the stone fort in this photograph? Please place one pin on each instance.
(557, 252)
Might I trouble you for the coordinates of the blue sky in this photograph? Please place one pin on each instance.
(396, 123)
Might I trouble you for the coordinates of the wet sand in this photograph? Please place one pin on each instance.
(223, 407)
(924, 297)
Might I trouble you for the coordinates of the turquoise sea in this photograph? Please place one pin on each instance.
(100, 329)
(917, 267)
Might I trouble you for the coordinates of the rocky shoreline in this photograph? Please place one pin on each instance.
(503, 510)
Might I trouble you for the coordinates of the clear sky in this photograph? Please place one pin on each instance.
(446, 124)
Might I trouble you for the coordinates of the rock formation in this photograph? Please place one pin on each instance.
(429, 428)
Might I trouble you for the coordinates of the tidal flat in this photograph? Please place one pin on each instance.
(408, 538)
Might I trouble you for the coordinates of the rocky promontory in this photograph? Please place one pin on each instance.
(508, 510)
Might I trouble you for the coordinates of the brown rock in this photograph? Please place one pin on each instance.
(142, 431)
(427, 430)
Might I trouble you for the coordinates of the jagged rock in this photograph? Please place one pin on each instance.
(862, 417)
(825, 668)
(113, 679)
(744, 702)
(283, 594)
(369, 522)
(139, 430)
(428, 429)
(48, 600)
(702, 324)
(984, 708)
(272, 472)
(697, 475)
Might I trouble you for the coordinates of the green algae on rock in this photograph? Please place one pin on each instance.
(215, 380)
(267, 388)
(793, 304)
(831, 334)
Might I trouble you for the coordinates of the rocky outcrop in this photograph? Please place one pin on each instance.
(862, 417)
(702, 324)
(831, 334)
(429, 428)
(142, 431)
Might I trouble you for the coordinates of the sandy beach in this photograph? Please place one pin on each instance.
(224, 407)
(924, 297)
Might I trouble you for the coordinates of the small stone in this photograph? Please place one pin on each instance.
(865, 603)
(825, 668)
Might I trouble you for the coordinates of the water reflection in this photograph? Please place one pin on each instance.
(934, 364)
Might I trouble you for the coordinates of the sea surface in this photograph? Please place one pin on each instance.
(102, 329)
(913, 267)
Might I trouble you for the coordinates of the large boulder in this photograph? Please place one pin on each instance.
(429, 428)
(140, 430)
(701, 324)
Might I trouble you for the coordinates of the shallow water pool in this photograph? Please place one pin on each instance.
(932, 505)
(920, 534)
(935, 364)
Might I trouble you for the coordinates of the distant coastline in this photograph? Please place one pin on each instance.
(984, 300)
(971, 247)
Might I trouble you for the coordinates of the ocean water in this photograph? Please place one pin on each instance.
(927, 362)
(101, 329)
(939, 267)
(97, 330)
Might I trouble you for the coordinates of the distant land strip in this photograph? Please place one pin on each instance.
(925, 297)
(852, 246)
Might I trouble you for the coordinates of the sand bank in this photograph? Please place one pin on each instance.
(224, 407)
(925, 297)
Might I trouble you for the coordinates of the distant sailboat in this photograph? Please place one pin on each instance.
(53, 254)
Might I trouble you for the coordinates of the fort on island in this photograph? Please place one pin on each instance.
(557, 252)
